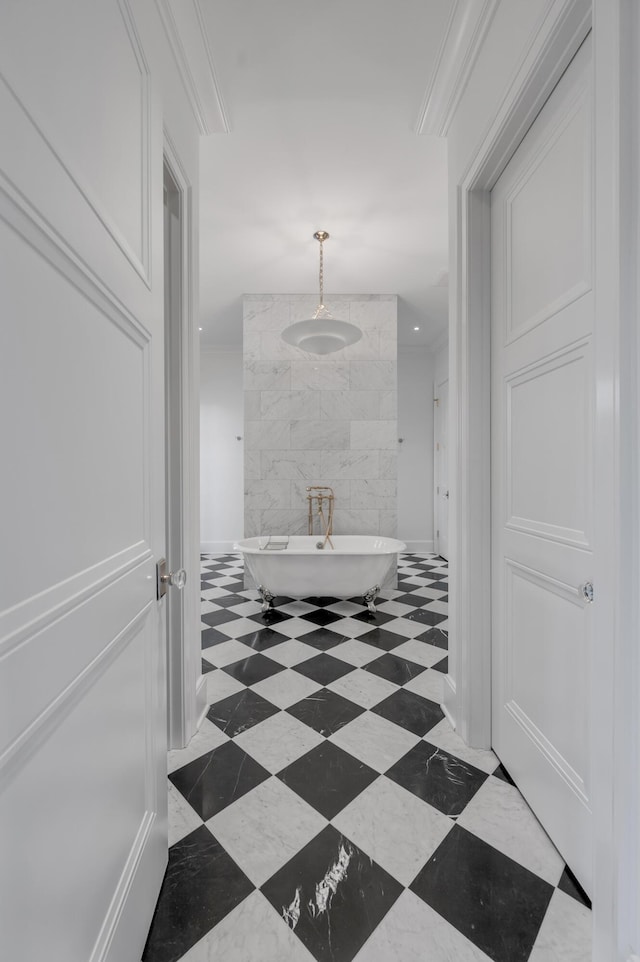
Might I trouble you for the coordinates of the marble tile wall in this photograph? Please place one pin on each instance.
(320, 420)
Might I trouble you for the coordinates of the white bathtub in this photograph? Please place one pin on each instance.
(356, 565)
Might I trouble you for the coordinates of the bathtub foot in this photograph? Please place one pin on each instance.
(370, 597)
(267, 599)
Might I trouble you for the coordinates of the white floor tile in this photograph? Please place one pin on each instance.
(205, 739)
(228, 652)
(286, 688)
(443, 736)
(420, 652)
(278, 741)
(363, 687)
(565, 933)
(292, 652)
(499, 815)
(265, 828)
(374, 740)
(396, 829)
(428, 684)
(182, 818)
(412, 932)
(355, 652)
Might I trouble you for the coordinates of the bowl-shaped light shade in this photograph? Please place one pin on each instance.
(321, 335)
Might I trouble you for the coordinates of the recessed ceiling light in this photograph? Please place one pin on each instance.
(199, 328)
(415, 328)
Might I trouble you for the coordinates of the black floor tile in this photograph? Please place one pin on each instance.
(321, 602)
(216, 779)
(206, 667)
(253, 669)
(570, 885)
(501, 772)
(323, 668)
(325, 711)
(237, 713)
(436, 637)
(323, 639)
(211, 636)
(270, 617)
(201, 886)
(328, 778)
(442, 666)
(213, 618)
(375, 620)
(262, 639)
(411, 600)
(381, 638)
(229, 601)
(321, 617)
(410, 711)
(426, 617)
(332, 895)
(395, 669)
(496, 903)
(435, 776)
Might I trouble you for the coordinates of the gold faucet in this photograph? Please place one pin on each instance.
(320, 498)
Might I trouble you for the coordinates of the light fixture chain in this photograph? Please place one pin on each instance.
(321, 277)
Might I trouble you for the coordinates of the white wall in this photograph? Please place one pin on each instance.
(415, 452)
(221, 454)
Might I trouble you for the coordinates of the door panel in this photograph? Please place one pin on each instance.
(542, 464)
(82, 660)
(441, 460)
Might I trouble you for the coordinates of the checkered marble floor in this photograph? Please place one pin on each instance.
(326, 810)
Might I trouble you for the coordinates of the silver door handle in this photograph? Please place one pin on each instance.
(446, 495)
(586, 592)
(176, 579)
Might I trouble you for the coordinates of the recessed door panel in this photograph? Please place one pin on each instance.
(548, 447)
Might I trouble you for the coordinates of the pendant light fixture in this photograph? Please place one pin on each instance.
(322, 333)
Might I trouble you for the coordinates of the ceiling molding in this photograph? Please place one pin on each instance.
(186, 32)
(456, 58)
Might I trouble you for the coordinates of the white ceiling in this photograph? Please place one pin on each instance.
(322, 100)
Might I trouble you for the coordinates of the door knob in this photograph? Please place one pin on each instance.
(176, 579)
(586, 592)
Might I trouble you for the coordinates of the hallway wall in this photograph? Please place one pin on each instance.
(415, 451)
(221, 453)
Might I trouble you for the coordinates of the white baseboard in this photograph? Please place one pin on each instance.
(448, 699)
(217, 547)
(202, 701)
(418, 545)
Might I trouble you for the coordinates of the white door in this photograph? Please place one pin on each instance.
(542, 464)
(82, 663)
(441, 461)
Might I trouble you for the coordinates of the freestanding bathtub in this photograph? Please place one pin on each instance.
(298, 567)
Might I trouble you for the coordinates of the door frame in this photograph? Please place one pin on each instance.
(616, 674)
(186, 703)
(437, 432)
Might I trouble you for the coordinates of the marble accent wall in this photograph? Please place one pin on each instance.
(320, 420)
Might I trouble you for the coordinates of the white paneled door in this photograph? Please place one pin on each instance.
(542, 464)
(82, 663)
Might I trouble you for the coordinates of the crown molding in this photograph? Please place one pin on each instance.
(186, 32)
(456, 57)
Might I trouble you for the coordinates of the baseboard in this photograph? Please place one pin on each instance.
(202, 701)
(217, 547)
(448, 699)
(426, 546)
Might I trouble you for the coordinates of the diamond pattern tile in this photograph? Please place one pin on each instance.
(326, 810)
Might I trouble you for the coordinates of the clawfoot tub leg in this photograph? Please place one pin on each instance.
(267, 599)
(370, 597)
